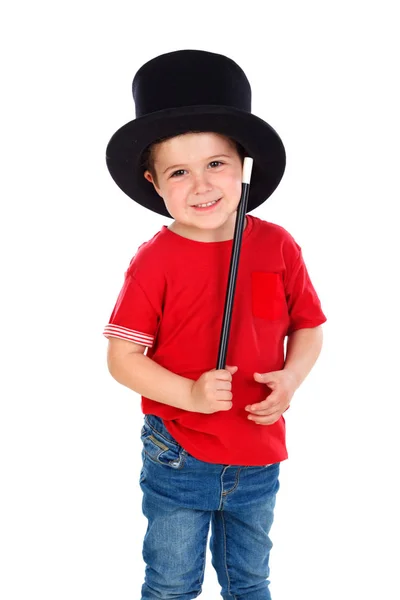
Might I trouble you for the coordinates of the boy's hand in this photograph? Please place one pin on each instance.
(283, 385)
(212, 391)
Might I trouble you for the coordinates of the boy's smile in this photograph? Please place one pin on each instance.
(199, 169)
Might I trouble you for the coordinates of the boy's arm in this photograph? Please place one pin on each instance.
(302, 350)
(130, 367)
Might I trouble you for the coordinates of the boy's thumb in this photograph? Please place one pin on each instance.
(234, 369)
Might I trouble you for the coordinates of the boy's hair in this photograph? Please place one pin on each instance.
(147, 160)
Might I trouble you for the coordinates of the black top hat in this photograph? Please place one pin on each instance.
(193, 90)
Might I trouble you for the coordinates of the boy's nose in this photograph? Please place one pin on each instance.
(201, 184)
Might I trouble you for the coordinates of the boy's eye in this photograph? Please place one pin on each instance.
(214, 163)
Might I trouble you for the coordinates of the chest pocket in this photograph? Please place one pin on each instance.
(267, 295)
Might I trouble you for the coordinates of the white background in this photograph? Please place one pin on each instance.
(325, 76)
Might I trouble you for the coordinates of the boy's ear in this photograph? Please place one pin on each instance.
(149, 177)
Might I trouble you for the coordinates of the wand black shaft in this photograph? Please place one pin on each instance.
(237, 241)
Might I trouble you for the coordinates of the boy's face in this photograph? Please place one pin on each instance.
(198, 168)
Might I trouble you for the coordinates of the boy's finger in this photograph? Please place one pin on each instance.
(266, 420)
(262, 413)
(265, 404)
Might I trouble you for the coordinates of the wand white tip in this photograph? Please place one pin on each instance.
(247, 168)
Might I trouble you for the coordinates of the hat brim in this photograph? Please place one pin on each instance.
(260, 140)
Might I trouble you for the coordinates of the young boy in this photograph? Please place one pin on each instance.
(212, 439)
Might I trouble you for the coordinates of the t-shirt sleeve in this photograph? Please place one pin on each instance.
(138, 309)
(304, 306)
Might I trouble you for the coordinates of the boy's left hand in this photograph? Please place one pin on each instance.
(283, 385)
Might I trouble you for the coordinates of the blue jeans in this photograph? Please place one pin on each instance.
(181, 496)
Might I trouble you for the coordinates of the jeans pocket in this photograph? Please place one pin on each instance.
(162, 450)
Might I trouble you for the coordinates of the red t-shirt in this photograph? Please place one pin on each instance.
(172, 301)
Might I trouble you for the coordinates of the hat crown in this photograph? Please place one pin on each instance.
(190, 78)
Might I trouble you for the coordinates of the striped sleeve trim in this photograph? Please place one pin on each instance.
(128, 334)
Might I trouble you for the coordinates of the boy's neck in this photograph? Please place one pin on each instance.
(222, 234)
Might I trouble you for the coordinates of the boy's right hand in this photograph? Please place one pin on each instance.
(212, 391)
